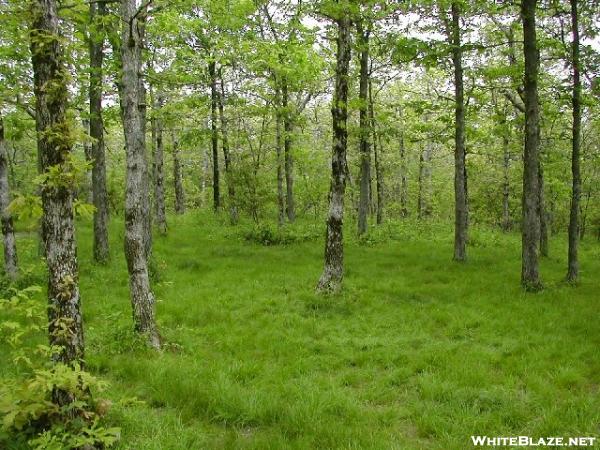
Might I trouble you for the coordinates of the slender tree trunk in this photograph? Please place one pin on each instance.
(136, 194)
(530, 278)
(544, 220)
(461, 208)
(279, 150)
(99, 194)
(158, 165)
(11, 266)
(423, 201)
(290, 208)
(403, 175)
(87, 150)
(506, 222)
(233, 212)
(178, 177)
(214, 94)
(65, 325)
(364, 130)
(376, 149)
(333, 272)
(574, 219)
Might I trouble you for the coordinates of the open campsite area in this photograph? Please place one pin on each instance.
(417, 352)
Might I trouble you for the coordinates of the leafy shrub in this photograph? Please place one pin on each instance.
(28, 411)
(268, 234)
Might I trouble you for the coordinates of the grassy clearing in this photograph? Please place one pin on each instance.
(416, 353)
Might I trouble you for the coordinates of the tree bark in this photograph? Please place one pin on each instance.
(506, 222)
(11, 266)
(530, 278)
(364, 129)
(290, 207)
(99, 194)
(214, 94)
(178, 177)
(136, 194)
(158, 164)
(279, 151)
(333, 272)
(544, 219)
(403, 174)
(87, 151)
(461, 208)
(233, 212)
(423, 201)
(376, 149)
(574, 219)
(65, 325)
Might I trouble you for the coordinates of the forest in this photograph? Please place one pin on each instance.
(303, 224)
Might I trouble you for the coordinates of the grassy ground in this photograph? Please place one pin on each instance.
(416, 353)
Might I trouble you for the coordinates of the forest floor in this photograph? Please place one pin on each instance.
(418, 352)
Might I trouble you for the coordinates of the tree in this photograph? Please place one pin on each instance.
(96, 129)
(333, 272)
(158, 165)
(136, 195)
(11, 267)
(214, 136)
(573, 263)
(365, 127)
(461, 207)
(530, 277)
(177, 176)
(55, 140)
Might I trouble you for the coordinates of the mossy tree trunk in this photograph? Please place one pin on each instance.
(333, 272)
(55, 141)
(136, 193)
(530, 277)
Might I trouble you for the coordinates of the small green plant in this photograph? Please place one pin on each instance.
(29, 409)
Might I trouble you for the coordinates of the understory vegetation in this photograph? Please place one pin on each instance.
(416, 352)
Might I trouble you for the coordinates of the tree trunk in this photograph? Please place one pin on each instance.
(279, 150)
(530, 278)
(87, 151)
(290, 208)
(11, 267)
(333, 272)
(65, 325)
(214, 94)
(178, 177)
(544, 220)
(377, 147)
(403, 175)
(233, 213)
(573, 264)
(364, 130)
(99, 194)
(506, 222)
(461, 208)
(158, 165)
(136, 194)
(423, 204)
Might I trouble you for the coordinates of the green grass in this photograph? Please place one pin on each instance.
(418, 352)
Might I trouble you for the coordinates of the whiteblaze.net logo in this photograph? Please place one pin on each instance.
(528, 441)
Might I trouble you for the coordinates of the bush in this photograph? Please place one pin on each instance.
(289, 234)
(28, 411)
